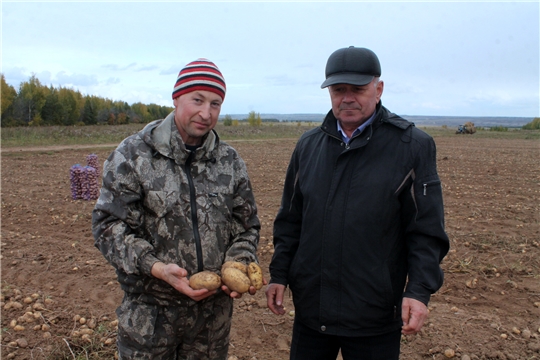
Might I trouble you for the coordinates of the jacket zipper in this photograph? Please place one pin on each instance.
(426, 184)
(194, 220)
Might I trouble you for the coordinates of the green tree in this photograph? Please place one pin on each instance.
(141, 110)
(103, 115)
(35, 104)
(154, 111)
(166, 110)
(254, 119)
(89, 114)
(31, 99)
(498, 128)
(158, 112)
(51, 113)
(67, 100)
(121, 106)
(227, 120)
(533, 125)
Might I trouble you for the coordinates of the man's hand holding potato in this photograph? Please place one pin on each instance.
(176, 276)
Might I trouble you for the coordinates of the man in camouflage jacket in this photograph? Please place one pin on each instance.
(176, 201)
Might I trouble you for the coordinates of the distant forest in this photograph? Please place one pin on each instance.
(37, 105)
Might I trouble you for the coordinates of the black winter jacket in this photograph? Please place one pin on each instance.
(356, 221)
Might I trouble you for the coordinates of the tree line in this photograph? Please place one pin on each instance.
(533, 125)
(35, 104)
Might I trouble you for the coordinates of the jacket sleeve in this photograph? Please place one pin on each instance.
(423, 215)
(287, 225)
(118, 217)
(245, 224)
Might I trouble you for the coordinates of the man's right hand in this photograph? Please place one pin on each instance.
(176, 276)
(274, 298)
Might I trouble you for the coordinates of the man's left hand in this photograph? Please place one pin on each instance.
(236, 295)
(176, 276)
(413, 313)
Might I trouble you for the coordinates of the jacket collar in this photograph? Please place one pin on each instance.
(164, 138)
(329, 124)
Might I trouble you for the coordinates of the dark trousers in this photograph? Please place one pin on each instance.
(308, 344)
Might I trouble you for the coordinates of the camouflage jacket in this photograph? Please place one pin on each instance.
(159, 203)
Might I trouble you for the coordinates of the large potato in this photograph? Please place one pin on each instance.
(235, 280)
(205, 280)
(255, 275)
(235, 264)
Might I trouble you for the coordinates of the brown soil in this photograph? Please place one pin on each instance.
(488, 308)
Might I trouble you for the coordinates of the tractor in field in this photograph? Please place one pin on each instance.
(467, 128)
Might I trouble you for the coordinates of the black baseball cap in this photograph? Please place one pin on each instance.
(352, 65)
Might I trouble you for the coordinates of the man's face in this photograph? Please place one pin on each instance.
(352, 105)
(195, 114)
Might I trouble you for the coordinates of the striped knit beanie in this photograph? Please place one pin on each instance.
(200, 74)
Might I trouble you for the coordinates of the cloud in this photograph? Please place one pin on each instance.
(146, 98)
(76, 79)
(112, 81)
(475, 58)
(44, 77)
(173, 70)
(147, 68)
(116, 67)
(280, 80)
(132, 66)
(399, 87)
(15, 76)
(432, 106)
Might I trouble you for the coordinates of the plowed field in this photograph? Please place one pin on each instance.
(488, 308)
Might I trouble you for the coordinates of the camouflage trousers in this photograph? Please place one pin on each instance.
(198, 332)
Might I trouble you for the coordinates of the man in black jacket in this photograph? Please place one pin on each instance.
(359, 236)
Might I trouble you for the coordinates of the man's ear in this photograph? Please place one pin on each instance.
(380, 88)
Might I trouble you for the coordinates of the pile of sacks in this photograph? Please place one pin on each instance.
(85, 179)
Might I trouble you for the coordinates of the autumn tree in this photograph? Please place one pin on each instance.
(141, 111)
(111, 119)
(227, 120)
(8, 98)
(36, 104)
(254, 119)
(156, 112)
(122, 118)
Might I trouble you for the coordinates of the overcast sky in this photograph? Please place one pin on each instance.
(437, 58)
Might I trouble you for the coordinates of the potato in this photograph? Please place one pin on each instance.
(235, 264)
(205, 280)
(235, 280)
(255, 275)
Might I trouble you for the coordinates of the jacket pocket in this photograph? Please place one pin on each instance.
(159, 203)
(429, 184)
(137, 322)
(221, 205)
